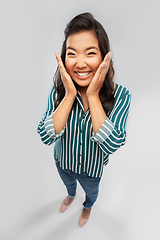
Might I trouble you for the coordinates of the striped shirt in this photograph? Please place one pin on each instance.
(76, 147)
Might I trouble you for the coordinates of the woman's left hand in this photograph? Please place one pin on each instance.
(99, 77)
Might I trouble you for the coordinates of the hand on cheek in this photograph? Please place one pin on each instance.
(70, 89)
(99, 77)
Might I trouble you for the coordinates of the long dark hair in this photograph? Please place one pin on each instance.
(80, 23)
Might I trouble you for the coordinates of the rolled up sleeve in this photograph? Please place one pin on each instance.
(46, 128)
(50, 130)
(112, 134)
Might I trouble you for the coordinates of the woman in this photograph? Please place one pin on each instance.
(86, 113)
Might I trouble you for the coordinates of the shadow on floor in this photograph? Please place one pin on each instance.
(28, 223)
(64, 228)
(36, 224)
(41, 216)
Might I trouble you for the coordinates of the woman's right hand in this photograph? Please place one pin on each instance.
(66, 79)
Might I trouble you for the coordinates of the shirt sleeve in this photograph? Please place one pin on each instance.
(112, 134)
(46, 128)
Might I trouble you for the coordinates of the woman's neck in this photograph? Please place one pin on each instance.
(84, 98)
(82, 90)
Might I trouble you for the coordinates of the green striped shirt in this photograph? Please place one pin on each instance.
(77, 147)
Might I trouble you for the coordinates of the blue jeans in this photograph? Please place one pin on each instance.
(89, 184)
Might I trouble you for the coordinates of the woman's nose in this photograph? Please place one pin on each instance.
(81, 63)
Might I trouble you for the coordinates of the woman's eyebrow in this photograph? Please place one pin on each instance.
(71, 48)
(86, 48)
(92, 48)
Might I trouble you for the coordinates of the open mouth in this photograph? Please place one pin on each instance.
(83, 74)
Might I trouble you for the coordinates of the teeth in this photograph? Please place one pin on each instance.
(82, 74)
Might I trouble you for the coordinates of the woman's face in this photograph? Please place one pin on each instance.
(83, 57)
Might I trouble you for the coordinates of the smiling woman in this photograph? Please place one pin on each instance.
(86, 113)
(83, 58)
(76, 27)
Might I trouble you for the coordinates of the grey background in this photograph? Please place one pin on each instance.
(31, 191)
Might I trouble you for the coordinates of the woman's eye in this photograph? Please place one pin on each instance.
(70, 53)
(91, 53)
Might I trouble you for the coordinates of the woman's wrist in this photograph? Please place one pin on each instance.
(70, 97)
(93, 98)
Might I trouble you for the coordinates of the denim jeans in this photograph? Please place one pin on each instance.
(89, 184)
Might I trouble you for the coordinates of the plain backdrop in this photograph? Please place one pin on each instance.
(30, 188)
